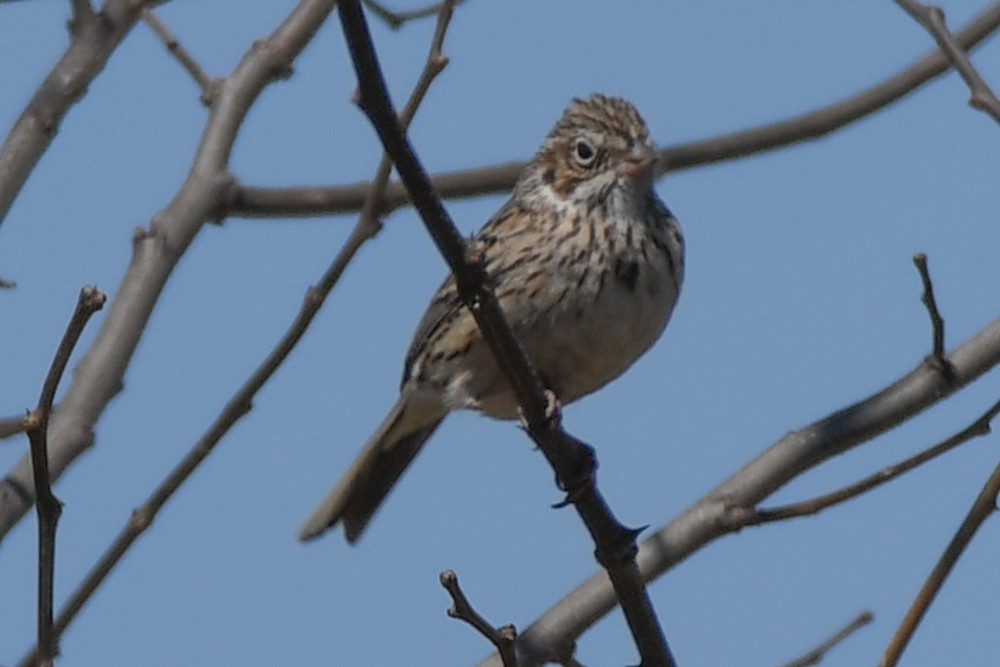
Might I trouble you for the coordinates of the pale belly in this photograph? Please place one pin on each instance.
(588, 338)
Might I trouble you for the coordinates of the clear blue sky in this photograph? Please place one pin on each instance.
(800, 298)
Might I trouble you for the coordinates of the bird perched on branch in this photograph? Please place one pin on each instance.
(586, 263)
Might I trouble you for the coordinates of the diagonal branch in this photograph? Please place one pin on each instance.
(260, 202)
(984, 505)
(815, 656)
(615, 544)
(931, 18)
(811, 506)
(94, 39)
(157, 250)
(712, 516)
(187, 61)
(240, 404)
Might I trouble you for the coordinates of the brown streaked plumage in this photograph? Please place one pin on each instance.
(586, 262)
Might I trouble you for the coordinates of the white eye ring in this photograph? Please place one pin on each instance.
(584, 153)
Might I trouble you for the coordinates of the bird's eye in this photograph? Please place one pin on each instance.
(584, 153)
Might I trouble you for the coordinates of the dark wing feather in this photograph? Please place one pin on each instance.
(445, 306)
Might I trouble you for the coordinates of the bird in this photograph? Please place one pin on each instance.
(586, 263)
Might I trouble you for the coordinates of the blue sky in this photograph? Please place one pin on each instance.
(800, 298)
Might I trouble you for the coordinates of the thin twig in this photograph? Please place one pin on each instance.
(785, 460)
(937, 322)
(396, 20)
(241, 402)
(265, 202)
(502, 638)
(932, 19)
(157, 248)
(813, 505)
(373, 206)
(187, 61)
(815, 656)
(984, 505)
(615, 545)
(12, 426)
(47, 505)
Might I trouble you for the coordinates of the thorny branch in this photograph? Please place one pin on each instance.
(982, 354)
(502, 638)
(615, 544)
(711, 516)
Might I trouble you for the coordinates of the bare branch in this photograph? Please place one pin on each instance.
(572, 460)
(158, 249)
(711, 517)
(502, 638)
(92, 45)
(931, 18)
(937, 322)
(12, 426)
(396, 20)
(187, 61)
(816, 656)
(808, 507)
(48, 506)
(241, 403)
(258, 202)
(984, 505)
(369, 222)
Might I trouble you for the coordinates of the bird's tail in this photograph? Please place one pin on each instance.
(357, 496)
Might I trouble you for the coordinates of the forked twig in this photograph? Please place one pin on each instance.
(813, 505)
(47, 505)
(396, 20)
(815, 656)
(241, 402)
(984, 505)
(932, 19)
(502, 638)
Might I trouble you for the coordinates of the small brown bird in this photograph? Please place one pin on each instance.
(586, 262)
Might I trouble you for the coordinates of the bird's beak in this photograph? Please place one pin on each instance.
(638, 162)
